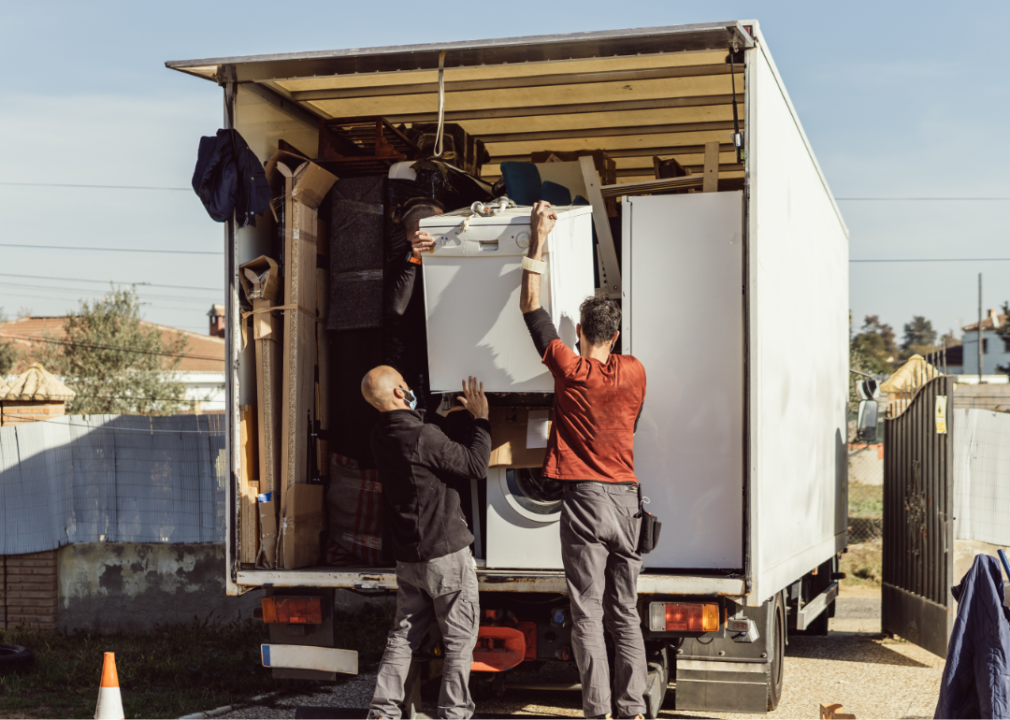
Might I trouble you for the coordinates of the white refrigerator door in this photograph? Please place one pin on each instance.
(683, 319)
(471, 292)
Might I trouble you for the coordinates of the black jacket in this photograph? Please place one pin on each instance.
(229, 176)
(976, 679)
(419, 467)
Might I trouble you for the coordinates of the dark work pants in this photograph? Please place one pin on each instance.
(599, 541)
(443, 590)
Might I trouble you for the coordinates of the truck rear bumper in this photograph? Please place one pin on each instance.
(534, 581)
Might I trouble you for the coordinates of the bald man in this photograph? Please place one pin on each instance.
(419, 467)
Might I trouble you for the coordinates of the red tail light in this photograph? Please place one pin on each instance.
(293, 610)
(684, 617)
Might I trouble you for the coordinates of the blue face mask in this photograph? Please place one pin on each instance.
(409, 398)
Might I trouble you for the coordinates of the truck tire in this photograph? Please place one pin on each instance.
(777, 649)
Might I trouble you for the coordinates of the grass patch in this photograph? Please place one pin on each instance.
(866, 500)
(863, 564)
(171, 672)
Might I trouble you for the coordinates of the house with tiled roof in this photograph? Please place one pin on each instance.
(201, 368)
(995, 349)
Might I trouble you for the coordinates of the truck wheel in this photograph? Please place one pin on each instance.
(777, 647)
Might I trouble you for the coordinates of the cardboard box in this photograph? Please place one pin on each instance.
(510, 435)
(310, 182)
(267, 557)
(260, 280)
(605, 166)
(322, 349)
(302, 523)
(300, 186)
(248, 522)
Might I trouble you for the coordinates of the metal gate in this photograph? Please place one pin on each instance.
(918, 518)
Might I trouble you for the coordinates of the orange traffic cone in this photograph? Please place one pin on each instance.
(110, 701)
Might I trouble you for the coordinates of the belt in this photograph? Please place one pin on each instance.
(572, 484)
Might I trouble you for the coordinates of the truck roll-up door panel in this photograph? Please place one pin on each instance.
(683, 319)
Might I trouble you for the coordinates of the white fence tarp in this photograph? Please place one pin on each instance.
(115, 478)
(982, 476)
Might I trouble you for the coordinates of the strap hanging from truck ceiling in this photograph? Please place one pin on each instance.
(737, 135)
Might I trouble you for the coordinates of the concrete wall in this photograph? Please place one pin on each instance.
(127, 587)
(989, 396)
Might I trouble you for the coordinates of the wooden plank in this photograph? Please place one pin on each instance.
(298, 381)
(568, 109)
(605, 132)
(711, 171)
(524, 82)
(649, 186)
(670, 150)
(611, 282)
(248, 487)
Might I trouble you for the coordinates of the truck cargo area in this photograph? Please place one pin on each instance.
(711, 223)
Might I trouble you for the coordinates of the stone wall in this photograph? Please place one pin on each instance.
(130, 587)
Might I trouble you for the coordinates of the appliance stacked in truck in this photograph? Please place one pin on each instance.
(475, 327)
(471, 296)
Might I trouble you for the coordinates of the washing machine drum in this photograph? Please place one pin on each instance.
(533, 492)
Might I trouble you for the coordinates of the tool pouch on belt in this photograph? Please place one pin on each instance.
(648, 536)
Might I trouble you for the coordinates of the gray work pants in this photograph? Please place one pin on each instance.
(599, 548)
(443, 590)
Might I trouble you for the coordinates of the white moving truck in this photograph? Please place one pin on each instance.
(736, 302)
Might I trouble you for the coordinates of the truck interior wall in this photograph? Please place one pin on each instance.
(262, 125)
(798, 311)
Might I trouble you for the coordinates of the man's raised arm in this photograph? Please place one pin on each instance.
(538, 321)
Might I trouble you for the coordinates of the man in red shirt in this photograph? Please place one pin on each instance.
(598, 397)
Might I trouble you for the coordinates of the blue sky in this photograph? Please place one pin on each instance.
(898, 100)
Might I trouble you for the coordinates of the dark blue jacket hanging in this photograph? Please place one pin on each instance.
(976, 678)
(225, 184)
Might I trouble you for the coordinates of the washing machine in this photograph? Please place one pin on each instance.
(523, 520)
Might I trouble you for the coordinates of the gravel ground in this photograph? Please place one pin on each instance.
(871, 676)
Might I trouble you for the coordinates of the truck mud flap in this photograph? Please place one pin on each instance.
(307, 657)
(720, 686)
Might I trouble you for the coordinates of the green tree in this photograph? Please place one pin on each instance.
(114, 362)
(9, 353)
(874, 347)
(920, 337)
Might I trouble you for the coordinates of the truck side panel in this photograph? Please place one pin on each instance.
(798, 275)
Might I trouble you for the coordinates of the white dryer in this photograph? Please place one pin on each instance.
(523, 520)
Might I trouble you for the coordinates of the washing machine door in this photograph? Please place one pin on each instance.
(532, 495)
(523, 520)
